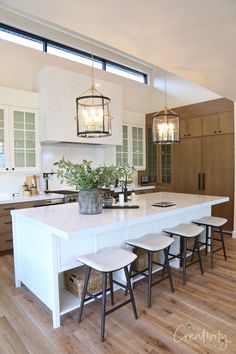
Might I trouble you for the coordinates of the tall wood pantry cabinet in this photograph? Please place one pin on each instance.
(203, 162)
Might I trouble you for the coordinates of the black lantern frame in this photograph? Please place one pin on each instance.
(165, 127)
(93, 114)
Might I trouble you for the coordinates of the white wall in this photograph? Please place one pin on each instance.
(19, 68)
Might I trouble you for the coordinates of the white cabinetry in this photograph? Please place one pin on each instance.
(58, 91)
(132, 150)
(19, 136)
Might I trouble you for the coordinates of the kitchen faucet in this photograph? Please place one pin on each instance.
(46, 176)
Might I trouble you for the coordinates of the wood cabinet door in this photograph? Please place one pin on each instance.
(226, 122)
(195, 127)
(210, 124)
(183, 128)
(187, 166)
(218, 170)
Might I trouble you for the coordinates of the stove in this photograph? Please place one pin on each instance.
(69, 196)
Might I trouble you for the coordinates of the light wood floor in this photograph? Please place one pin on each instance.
(199, 317)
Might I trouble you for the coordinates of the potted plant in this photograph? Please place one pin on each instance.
(89, 181)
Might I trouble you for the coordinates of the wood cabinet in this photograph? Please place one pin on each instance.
(218, 174)
(187, 166)
(205, 164)
(219, 123)
(190, 127)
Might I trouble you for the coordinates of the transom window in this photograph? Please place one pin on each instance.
(17, 36)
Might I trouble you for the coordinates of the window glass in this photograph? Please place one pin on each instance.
(64, 53)
(125, 73)
(18, 39)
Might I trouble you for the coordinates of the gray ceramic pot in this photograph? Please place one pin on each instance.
(90, 201)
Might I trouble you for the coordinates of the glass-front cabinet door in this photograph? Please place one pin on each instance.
(24, 139)
(4, 139)
(138, 147)
(132, 150)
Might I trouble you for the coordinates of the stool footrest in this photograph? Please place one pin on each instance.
(117, 307)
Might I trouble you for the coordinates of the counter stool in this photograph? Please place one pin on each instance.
(215, 223)
(107, 261)
(186, 232)
(152, 243)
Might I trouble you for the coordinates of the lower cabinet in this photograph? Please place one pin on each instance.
(205, 165)
(6, 242)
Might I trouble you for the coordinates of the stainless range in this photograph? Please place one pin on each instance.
(69, 196)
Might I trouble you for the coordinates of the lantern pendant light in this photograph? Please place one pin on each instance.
(93, 112)
(165, 125)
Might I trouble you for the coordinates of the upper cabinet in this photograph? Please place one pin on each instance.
(58, 91)
(219, 123)
(190, 127)
(19, 134)
(132, 149)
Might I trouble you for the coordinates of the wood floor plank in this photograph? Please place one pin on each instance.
(10, 342)
(199, 317)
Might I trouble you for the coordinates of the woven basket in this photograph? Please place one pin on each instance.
(74, 281)
(141, 261)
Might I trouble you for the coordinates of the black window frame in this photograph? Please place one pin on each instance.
(45, 42)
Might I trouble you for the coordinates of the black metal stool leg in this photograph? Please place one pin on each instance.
(194, 247)
(211, 248)
(103, 305)
(86, 280)
(184, 257)
(207, 239)
(166, 252)
(111, 288)
(150, 256)
(223, 243)
(181, 245)
(130, 292)
(199, 254)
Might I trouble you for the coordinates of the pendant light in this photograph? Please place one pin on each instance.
(93, 112)
(165, 125)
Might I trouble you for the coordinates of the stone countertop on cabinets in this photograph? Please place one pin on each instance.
(66, 222)
(7, 198)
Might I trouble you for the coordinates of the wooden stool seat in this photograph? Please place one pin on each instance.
(186, 232)
(107, 261)
(153, 243)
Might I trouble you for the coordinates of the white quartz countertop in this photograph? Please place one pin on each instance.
(6, 198)
(134, 187)
(65, 220)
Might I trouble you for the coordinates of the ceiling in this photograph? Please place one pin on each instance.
(194, 39)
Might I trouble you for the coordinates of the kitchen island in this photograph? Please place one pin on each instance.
(47, 240)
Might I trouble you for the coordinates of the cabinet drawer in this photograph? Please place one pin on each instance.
(5, 223)
(6, 241)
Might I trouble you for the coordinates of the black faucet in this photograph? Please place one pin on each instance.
(46, 176)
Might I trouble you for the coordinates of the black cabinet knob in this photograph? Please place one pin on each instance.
(13, 168)
(7, 168)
